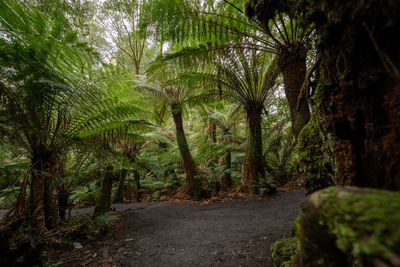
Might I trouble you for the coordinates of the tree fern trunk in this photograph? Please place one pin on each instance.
(136, 175)
(292, 62)
(226, 177)
(103, 205)
(49, 201)
(36, 206)
(253, 167)
(212, 132)
(188, 161)
(63, 197)
(120, 191)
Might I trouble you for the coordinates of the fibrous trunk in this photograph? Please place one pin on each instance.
(43, 209)
(292, 63)
(189, 164)
(36, 203)
(226, 177)
(103, 205)
(359, 90)
(120, 191)
(212, 130)
(253, 166)
(136, 175)
(63, 197)
(50, 205)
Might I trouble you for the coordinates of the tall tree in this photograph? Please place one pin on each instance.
(248, 78)
(124, 18)
(214, 27)
(174, 90)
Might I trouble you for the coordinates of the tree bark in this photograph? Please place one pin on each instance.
(212, 130)
(43, 207)
(191, 182)
(36, 202)
(227, 177)
(63, 197)
(50, 205)
(359, 89)
(292, 63)
(103, 205)
(138, 194)
(253, 167)
(119, 198)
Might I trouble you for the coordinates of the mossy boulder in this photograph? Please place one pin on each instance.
(284, 251)
(350, 226)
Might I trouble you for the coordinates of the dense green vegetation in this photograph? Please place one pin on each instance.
(98, 119)
(127, 101)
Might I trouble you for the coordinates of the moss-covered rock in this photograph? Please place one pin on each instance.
(284, 251)
(350, 226)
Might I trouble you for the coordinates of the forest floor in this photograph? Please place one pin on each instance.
(233, 233)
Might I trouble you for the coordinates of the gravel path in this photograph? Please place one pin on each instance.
(234, 233)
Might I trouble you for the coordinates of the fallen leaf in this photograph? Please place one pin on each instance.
(77, 245)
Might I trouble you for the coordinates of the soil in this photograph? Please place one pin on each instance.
(233, 233)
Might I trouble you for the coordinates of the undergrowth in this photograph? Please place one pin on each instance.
(82, 227)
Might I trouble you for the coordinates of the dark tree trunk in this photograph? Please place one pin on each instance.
(36, 202)
(292, 63)
(253, 167)
(212, 130)
(359, 89)
(43, 207)
(191, 182)
(226, 177)
(103, 205)
(138, 194)
(63, 197)
(50, 205)
(119, 198)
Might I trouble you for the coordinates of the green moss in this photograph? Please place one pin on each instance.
(284, 251)
(364, 224)
(316, 159)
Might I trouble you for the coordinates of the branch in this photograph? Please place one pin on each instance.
(307, 81)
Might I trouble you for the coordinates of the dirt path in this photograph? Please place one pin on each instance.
(235, 233)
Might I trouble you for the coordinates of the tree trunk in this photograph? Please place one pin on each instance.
(212, 130)
(103, 205)
(137, 67)
(292, 63)
(63, 197)
(36, 206)
(138, 194)
(226, 177)
(191, 182)
(253, 167)
(50, 205)
(359, 89)
(43, 207)
(119, 198)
